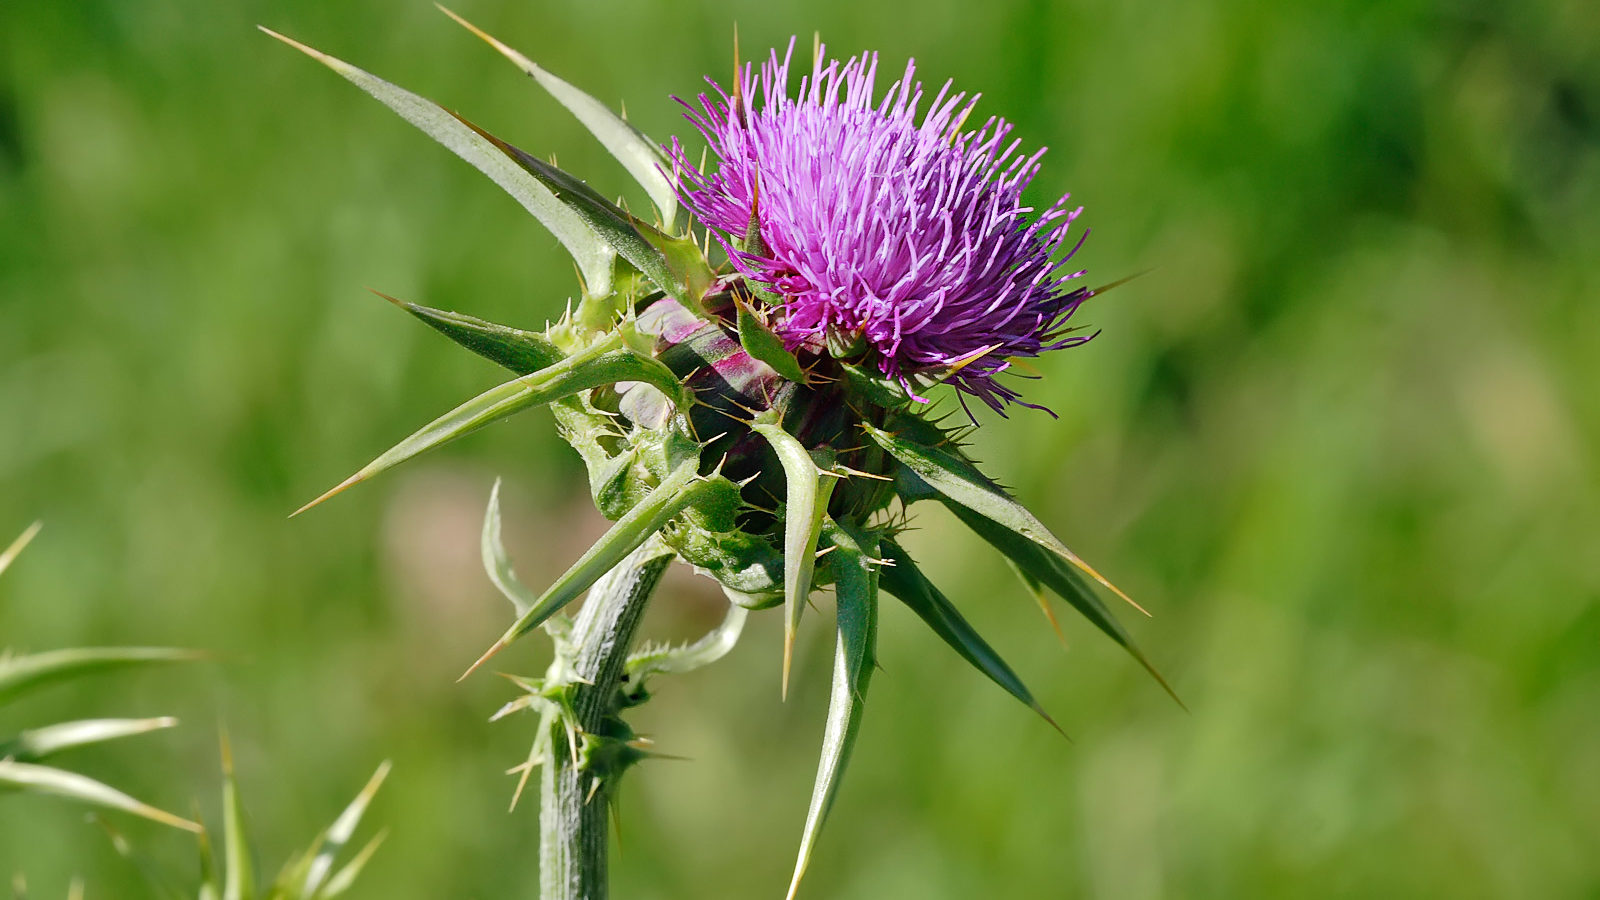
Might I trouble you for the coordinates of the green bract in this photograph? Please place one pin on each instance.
(773, 470)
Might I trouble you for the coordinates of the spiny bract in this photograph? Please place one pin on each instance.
(759, 416)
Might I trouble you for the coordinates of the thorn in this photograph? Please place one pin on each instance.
(343, 486)
(496, 648)
(1095, 292)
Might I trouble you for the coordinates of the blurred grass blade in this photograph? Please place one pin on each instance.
(642, 245)
(629, 533)
(712, 646)
(592, 254)
(340, 832)
(641, 156)
(600, 364)
(1054, 572)
(39, 779)
(904, 580)
(40, 743)
(24, 673)
(497, 563)
(805, 503)
(155, 879)
(238, 875)
(759, 341)
(23, 540)
(856, 585)
(345, 877)
(523, 352)
(953, 476)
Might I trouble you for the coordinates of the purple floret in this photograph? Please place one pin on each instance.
(911, 239)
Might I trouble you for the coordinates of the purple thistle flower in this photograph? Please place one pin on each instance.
(908, 241)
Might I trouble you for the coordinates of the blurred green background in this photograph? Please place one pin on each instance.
(1343, 440)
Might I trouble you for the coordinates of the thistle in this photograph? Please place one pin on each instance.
(760, 411)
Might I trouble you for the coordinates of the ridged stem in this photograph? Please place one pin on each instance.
(573, 839)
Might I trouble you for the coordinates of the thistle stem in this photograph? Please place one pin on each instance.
(573, 840)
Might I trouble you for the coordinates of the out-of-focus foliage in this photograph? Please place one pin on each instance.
(1342, 441)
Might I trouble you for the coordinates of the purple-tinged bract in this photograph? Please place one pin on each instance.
(906, 241)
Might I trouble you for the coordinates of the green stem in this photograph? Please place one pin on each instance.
(572, 817)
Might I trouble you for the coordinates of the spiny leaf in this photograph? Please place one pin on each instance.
(495, 560)
(714, 645)
(39, 743)
(904, 580)
(675, 491)
(638, 154)
(24, 673)
(598, 365)
(588, 249)
(806, 503)
(339, 834)
(856, 584)
(39, 779)
(638, 242)
(759, 341)
(12, 552)
(1054, 572)
(953, 476)
(238, 879)
(523, 352)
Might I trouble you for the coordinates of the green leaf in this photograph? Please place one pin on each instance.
(339, 833)
(759, 341)
(39, 743)
(495, 560)
(12, 552)
(589, 250)
(641, 156)
(675, 491)
(523, 352)
(238, 879)
(856, 585)
(805, 504)
(24, 673)
(714, 645)
(598, 365)
(957, 479)
(903, 579)
(1054, 572)
(1035, 589)
(37, 779)
(663, 259)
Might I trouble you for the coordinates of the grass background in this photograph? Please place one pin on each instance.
(1344, 440)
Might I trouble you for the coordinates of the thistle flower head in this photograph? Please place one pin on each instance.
(884, 229)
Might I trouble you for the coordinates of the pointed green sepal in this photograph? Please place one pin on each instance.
(238, 868)
(1054, 572)
(856, 585)
(638, 154)
(903, 579)
(666, 500)
(37, 779)
(523, 352)
(805, 505)
(589, 249)
(949, 472)
(674, 264)
(601, 364)
(762, 344)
